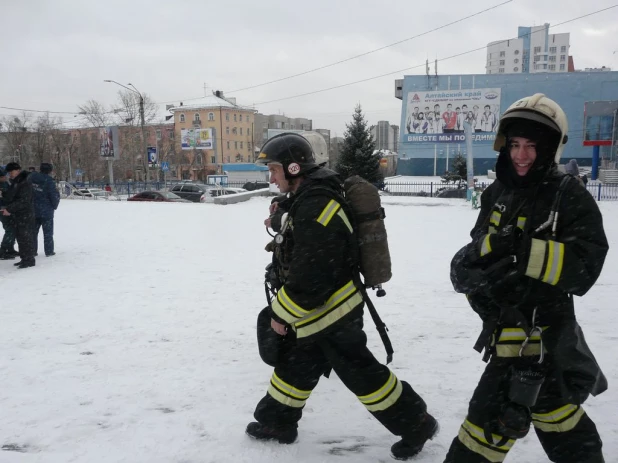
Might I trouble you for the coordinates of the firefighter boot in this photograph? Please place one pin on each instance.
(283, 435)
(411, 444)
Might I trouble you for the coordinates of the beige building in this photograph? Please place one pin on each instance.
(213, 131)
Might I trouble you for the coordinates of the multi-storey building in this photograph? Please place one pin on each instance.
(385, 135)
(264, 122)
(534, 50)
(214, 131)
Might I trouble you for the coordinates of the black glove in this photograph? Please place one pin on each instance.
(507, 242)
(501, 278)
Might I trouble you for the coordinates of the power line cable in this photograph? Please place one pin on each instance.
(423, 64)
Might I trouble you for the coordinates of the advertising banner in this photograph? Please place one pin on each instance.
(108, 142)
(439, 116)
(201, 139)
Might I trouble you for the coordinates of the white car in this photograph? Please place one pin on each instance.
(93, 193)
(210, 195)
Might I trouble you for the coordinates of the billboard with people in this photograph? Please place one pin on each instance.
(201, 139)
(439, 116)
(108, 143)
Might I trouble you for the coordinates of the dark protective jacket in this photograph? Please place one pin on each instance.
(20, 203)
(554, 268)
(46, 196)
(551, 268)
(316, 259)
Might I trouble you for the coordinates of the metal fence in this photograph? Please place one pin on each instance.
(600, 191)
(131, 188)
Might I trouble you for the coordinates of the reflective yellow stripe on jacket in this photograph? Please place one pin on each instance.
(546, 260)
(308, 322)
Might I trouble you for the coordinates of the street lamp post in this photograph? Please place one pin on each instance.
(141, 116)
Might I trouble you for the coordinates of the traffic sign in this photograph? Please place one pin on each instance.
(79, 172)
(165, 166)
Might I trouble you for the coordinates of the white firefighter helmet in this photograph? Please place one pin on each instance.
(536, 108)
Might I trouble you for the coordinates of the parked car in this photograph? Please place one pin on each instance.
(191, 191)
(221, 191)
(255, 185)
(158, 196)
(93, 193)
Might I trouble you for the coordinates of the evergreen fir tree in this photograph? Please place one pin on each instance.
(357, 156)
(458, 172)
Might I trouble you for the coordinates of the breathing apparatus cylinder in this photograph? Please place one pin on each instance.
(375, 258)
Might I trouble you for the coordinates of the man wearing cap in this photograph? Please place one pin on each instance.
(46, 200)
(21, 208)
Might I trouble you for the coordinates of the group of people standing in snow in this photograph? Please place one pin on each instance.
(28, 200)
(537, 242)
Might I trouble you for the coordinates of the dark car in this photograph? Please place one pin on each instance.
(255, 185)
(191, 191)
(158, 196)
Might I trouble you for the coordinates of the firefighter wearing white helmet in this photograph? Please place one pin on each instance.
(538, 241)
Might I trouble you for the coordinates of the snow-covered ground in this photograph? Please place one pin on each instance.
(136, 342)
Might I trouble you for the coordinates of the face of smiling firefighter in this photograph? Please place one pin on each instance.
(523, 154)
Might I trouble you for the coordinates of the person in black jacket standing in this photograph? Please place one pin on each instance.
(318, 308)
(21, 208)
(46, 200)
(7, 248)
(538, 241)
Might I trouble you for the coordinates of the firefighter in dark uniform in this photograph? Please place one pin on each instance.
(318, 309)
(538, 241)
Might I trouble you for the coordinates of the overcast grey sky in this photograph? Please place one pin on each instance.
(56, 53)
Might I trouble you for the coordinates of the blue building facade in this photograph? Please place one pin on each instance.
(428, 151)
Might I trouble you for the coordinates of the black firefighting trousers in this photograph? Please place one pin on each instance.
(393, 402)
(565, 431)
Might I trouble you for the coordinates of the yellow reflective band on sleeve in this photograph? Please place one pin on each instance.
(473, 438)
(328, 212)
(286, 308)
(495, 218)
(563, 419)
(521, 222)
(337, 306)
(486, 245)
(344, 217)
(553, 270)
(384, 397)
(536, 259)
(492, 230)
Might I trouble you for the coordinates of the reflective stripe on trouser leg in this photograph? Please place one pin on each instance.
(563, 419)
(473, 437)
(384, 397)
(287, 394)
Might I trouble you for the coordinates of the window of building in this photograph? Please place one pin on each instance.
(501, 62)
(515, 69)
(213, 159)
(196, 118)
(552, 59)
(227, 117)
(537, 49)
(227, 130)
(552, 49)
(234, 117)
(235, 145)
(241, 130)
(248, 146)
(552, 67)
(502, 53)
(198, 159)
(488, 72)
(248, 131)
(158, 132)
(211, 116)
(228, 145)
(239, 158)
(517, 52)
(516, 60)
(241, 145)
(562, 66)
(537, 58)
(501, 70)
(234, 131)
(562, 57)
(182, 118)
(170, 134)
(563, 49)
